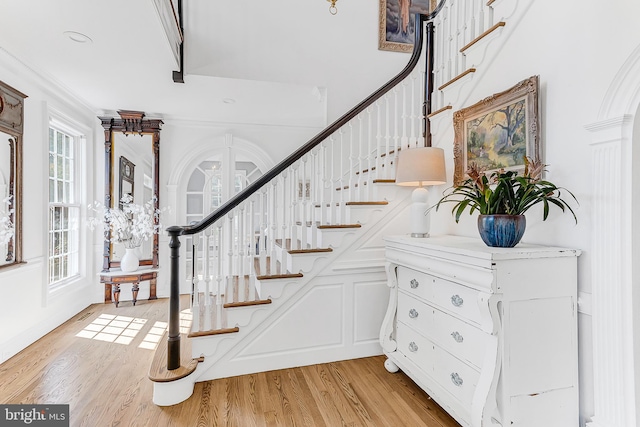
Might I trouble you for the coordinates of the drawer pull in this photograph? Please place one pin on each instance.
(457, 301)
(456, 336)
(414, 283)
(413, 346)
(413, 313)
(455, 379)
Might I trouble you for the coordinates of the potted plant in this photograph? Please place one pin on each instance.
(503, 198)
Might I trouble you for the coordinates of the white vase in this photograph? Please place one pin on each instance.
(129, 261)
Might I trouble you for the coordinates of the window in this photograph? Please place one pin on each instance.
(207, 190)
(64, 209)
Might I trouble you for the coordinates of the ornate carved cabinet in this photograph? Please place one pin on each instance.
(489, 333)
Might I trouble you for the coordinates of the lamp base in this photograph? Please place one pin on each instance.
(420, 223)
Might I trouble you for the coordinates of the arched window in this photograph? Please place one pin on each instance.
(213, 182)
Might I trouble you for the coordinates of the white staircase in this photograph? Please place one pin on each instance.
(294, 274)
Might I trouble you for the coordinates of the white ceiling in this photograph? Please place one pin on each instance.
(274, 59)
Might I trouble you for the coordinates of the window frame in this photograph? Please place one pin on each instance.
(79, 189)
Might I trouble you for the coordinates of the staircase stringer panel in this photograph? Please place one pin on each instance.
(226, 357)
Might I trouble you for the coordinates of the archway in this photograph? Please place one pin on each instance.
(205, 178)
(614, 249)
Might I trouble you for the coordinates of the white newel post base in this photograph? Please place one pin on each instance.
(173, 392)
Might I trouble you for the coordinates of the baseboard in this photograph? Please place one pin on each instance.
(24, 339)
(284, 360)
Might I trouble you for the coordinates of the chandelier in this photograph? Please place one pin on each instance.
(333, 9)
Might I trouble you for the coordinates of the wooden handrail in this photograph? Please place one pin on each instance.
(173, 341)
(315, 141)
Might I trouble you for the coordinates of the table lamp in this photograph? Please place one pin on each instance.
(418, 167)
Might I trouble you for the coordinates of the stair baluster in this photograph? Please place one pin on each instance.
(251, 251)
(195, 283)
(226, 238)
(219, 244)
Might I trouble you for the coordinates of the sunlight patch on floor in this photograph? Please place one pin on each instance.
(123, 329)
(151, 340)
(113, 328)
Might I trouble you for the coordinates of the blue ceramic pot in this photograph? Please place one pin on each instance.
(501, 231)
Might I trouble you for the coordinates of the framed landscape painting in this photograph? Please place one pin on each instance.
(396, 23)
(497, 132)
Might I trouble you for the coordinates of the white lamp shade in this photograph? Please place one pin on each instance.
(421, 166)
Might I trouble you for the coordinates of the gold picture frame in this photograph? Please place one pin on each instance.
(396, 23)
(497, 132)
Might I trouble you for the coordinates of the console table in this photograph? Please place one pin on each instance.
(489, 333)
(114, 278)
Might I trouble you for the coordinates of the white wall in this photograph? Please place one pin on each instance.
(27, 305)
(577, 49)
(27, 309)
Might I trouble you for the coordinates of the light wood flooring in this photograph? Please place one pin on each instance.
(99, 360)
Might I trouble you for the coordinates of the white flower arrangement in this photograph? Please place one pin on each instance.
(7, 230)
(131, 225)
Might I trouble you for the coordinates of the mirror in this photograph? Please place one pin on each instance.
(131, 168)
(11, 128)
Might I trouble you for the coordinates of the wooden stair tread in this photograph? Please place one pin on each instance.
(308, 250)
(247, 303)
(346, 187)
(367, 170)
(458, 77)
(382, 165)
(213, 332)
(337, 226)
(384, 181)
(278, 274)
(236, 292)
(158, 371)
(378, 203)
(483, 35)
(445, 108)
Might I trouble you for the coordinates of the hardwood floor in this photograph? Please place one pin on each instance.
(98, 361)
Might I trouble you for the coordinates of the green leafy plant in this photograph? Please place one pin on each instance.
(505, 192)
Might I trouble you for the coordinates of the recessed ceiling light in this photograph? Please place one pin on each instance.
(229, 100)
(78, 37)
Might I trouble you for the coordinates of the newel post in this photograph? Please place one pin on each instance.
(173, 343)
(428, 85)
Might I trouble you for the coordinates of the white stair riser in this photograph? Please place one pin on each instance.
(301, 263)
(241, 316)
(387, 191)
(332, 237)
(207, 345)
(477, 53)
(272, 288)
(503, 10)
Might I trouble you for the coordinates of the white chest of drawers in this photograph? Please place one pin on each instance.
(489, 333)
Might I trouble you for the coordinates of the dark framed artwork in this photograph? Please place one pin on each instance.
(497, 132)
(396, 23)
(126, 185)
